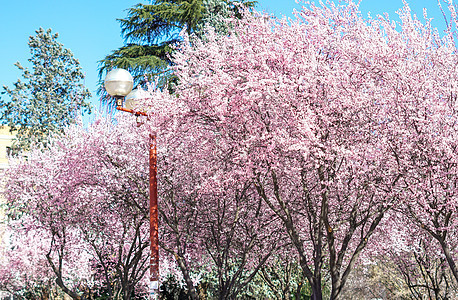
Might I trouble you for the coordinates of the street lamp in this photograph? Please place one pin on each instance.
(119, 84)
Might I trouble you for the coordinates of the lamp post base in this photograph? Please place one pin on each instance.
(154, 290)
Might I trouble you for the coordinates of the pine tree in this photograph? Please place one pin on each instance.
(49, 96)
(215, 14)
(151, 30)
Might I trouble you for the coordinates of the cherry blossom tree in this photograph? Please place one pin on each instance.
(422, 131)
(208, 220)
(18, 275)
(279, 107)
(87, 194)
(407, 252)
(295, 138)
(320, 114)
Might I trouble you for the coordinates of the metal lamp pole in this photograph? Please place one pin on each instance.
(119, 84)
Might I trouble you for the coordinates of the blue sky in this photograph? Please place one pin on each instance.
(90, 30)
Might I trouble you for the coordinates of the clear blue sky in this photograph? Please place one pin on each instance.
(90, 30)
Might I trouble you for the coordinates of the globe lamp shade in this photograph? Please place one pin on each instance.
(133, 97)
(118, 83)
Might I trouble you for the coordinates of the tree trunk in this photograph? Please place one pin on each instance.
(187, 278)
(449, 258)
(59, 281)
(317, 293)
(66, 290)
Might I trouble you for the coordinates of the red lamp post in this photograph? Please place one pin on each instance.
(119, 84)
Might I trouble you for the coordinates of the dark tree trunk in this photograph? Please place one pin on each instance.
(317, 293)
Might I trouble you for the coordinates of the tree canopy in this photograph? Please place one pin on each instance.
(50, 95)
(88, 203)
(152, 30)
(337, 121)
(290, 151)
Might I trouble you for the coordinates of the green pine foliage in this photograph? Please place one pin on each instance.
(151, 30)
(215, 14)
(140, 59)
(50, 95)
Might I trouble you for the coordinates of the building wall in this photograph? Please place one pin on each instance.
(6, 139)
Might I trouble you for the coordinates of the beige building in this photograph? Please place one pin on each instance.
(6, 139)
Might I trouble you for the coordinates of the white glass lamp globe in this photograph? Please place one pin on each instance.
(133, 97)
(118, 83)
